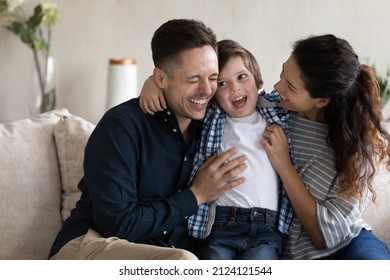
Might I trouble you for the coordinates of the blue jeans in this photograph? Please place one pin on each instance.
(241, 233)
(365, 246)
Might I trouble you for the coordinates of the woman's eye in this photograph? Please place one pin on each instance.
(291, 87)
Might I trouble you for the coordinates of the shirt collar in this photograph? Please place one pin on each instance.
(167, 117)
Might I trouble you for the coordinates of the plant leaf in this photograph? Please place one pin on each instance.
(15, 27)
(35, 20)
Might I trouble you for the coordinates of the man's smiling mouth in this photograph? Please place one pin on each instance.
(198, 101)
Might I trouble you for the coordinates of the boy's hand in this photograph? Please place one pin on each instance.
(151, 98)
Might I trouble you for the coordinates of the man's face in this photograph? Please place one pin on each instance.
(193, 84)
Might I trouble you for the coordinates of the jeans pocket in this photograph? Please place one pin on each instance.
(222, 224)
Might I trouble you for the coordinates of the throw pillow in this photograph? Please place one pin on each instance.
(71, 134)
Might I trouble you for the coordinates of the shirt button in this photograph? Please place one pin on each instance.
(174, 130)
(185, 158)
(168, 113)
(186, 217)
(165, 232)
(165, 120)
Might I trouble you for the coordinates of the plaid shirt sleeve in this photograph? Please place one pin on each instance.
(270, 109)
(211, 139)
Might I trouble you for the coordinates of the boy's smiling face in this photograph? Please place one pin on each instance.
(237, 92)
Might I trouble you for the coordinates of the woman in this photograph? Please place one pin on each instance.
(336, 132)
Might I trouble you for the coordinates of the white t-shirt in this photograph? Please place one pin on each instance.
(261, 183)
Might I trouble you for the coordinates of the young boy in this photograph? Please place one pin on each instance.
(242, 223)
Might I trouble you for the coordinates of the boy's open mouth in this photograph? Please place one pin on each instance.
(240, 101)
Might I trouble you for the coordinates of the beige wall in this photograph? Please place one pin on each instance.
(90, 32)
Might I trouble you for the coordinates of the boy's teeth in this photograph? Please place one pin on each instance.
(238, 98)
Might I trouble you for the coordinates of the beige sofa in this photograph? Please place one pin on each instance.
(41, 165)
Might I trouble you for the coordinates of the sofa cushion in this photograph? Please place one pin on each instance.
(30, 187)
(71, 134)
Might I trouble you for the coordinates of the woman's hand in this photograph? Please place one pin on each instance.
(276, 145)
(151, 98)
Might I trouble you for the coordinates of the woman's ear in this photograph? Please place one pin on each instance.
(322, 102)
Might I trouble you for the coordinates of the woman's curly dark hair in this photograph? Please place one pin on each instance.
(331, 69)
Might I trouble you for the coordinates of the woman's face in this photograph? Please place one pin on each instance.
(237, 91)
(293, 93)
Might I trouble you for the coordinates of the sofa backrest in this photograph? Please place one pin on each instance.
(30, 196)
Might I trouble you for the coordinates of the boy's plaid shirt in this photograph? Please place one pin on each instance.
(211, 139)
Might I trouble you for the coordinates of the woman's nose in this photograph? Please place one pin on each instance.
(278, 86)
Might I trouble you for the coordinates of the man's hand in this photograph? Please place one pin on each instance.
(216, 176)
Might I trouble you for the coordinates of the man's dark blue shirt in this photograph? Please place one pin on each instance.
(135, 184)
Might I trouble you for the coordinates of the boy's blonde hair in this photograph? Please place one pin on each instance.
(229, 48)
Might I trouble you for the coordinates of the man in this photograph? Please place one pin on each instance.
(135, 194)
